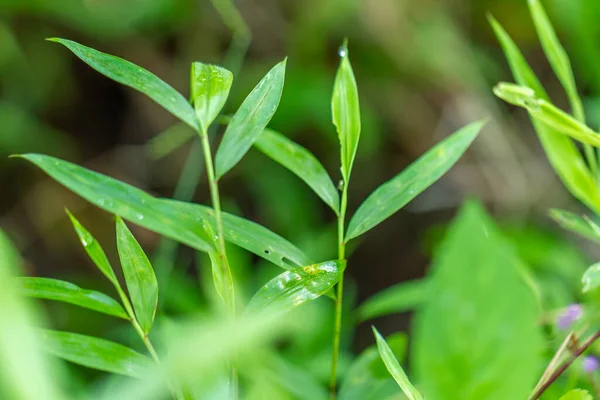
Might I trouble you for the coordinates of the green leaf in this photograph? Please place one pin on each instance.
(302, 163)
(477, 336)
(221, 271)
(398, 191)
(296, 287)
(135, 77)
(577, 394)
(95, 353)
(562, 153)
(210, 88)
(557, 56)
(393, 366)
(583, 226)
(399, 298)
(57, 290)
(139, 276)
(591, 278)
(26, 372)
(250, 119)
(345, 110)
(94, 250)
(177, 220)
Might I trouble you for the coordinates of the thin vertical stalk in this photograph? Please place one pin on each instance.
(337, 332)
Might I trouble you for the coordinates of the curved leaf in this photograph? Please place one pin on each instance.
(250, 120)
(95, 353)
(591, 278)
(210, 89)
(583, 226)
(402, 297)
(136, 77)
(139, 276)
(302, 163)
(57, 290)
(177, 220)
(398, 191)
(345, 110)
(294, 288)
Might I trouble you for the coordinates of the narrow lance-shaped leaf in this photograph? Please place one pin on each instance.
(139, 276)
(560, 149)
(345, 110)
(402, 297)
(591, 278)
(398, 191)
(294, 288)
(250, 120)
(210, 86)
(136, 77)
(393, 366)
(94, 250)
(177, 220)
(221, 271)
(583, 226)
(95, 353)
(57, 290)
(302, 163)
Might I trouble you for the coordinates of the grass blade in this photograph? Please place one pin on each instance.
(399, 298)
(139, 276)
(57, 290)
(393, 366)
(250, 120)
(398, 191)
(136, 77)
(302, 163)
(583, 226)
(95, 353)
(210, 89)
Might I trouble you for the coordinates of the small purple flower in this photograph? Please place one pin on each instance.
(569, 315)
(590, 364)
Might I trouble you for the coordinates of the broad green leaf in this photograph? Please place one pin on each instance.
(294, 288)
(177, 220)
(399, 298)
(400, 190)
(302, 163)
(477, 336)
(562, 153)
(583, 226)
(591, 278)
(367, 377)
(95, 353)
(557, 56)
(210, 88)
(393, 366)
(94, 250)
(57, 290)
(250, 120)
(26, 373)
(139, 276)
(136, 77)
(345, 111)
(577, 394)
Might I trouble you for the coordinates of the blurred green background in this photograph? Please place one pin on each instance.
(423, 68)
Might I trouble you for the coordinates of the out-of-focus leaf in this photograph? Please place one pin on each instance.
(398, 191)
(139, 276)
(583, 226)
(294, 288)
(178, 220)
(562, 153)
(345, 110)
(210, 88)
(250, 119)
(300, 383)
(402, 297)
(302, 163)
(94, 250)
(25, 374)
(394, 368)
(135, 77)
(95, 353)
(477, 336)
(577, 394)
(168, 141)
(591, 278)
(57, 290)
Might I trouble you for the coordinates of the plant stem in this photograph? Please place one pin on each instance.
(337, 333)
(563, 367)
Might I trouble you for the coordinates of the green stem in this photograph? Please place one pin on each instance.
(337, 332)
